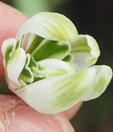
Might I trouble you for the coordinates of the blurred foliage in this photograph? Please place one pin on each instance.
(94, 18)
(31, 7)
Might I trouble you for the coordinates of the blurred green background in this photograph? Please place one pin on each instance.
(94, 18)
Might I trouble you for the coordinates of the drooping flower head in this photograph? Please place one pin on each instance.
(51, 67)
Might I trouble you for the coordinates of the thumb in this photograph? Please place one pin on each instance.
(16, 116)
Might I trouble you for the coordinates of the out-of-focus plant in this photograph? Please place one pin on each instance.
(54, 3)
(31, 7)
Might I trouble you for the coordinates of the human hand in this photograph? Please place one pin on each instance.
(15, 115)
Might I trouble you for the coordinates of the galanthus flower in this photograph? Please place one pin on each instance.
(51, 67)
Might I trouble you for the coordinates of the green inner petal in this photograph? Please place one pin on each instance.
(46, 68)
(33, 63)
(33, 43)
(51, 49)
(20, 42)
(26, 74)
(54, 67)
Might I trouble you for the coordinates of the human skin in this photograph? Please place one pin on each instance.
(14, 111)
(16, 116)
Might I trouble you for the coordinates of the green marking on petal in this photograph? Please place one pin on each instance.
(8, 49)
(85, 50)
(51, 49)
(9, 52)
(33, 63)
(101, 80)
(69, 58)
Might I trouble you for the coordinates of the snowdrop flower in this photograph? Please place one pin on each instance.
(50, 66)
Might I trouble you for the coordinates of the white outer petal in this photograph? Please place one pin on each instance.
(102, 79)
(15, 65)
(42, 95)
(38, 24)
